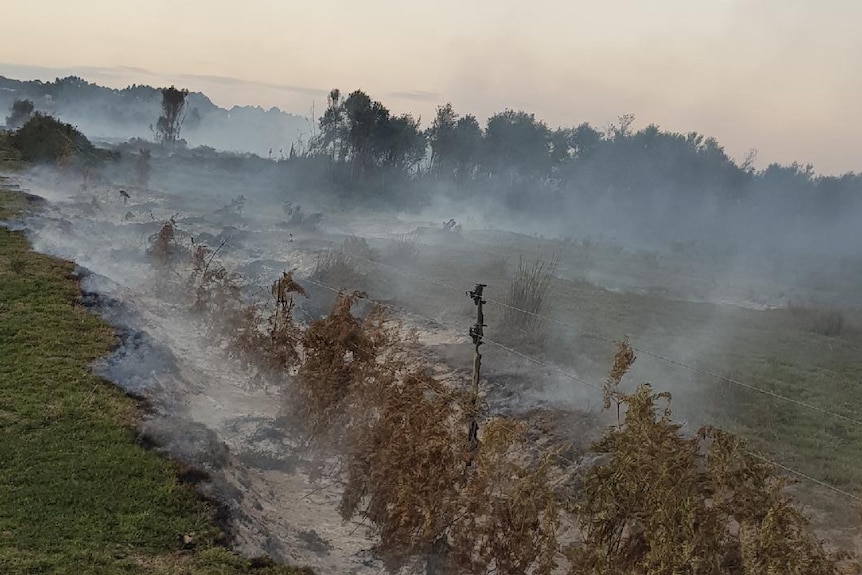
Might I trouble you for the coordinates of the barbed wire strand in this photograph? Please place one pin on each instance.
(638, 349)
(591, 385)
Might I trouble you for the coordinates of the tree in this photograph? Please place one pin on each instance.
(441, 136)
(402, 144)
(331, 137)
(173, 113)
(21, 112)
(516, 143)
(466, 145)
(585, 140)
(623, 129)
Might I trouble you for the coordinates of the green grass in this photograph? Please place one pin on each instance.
(10, 158)
(77, 494)
(775, 350)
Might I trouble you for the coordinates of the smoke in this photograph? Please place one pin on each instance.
(691, 279)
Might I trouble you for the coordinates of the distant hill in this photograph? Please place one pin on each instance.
(111, 114)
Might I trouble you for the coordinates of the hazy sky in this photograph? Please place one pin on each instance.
(782, 76)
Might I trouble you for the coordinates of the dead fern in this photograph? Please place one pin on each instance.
(624, 358)
(163, 244)
(273, 342)
(405, 464)
(666, 503)
(217, 291)
(285, 336)
(402, 435)
(510, 513)
(341, 351)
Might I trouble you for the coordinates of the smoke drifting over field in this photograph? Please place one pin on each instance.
(711, 268)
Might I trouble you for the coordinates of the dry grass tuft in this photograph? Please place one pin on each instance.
(337, 269)
(528, 295)
(403, 248)
(826, 322)
(357, 247)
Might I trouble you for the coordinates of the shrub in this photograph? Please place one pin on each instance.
(218, 291)
(666, 503)
(278, 347)
(45, 139)
(403, 439)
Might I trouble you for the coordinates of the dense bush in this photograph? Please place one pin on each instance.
(45, 139)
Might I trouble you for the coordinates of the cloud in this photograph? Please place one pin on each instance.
(238, 82)
(416, 95)
(134, 74)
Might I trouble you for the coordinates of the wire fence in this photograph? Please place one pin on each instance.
(597, 387)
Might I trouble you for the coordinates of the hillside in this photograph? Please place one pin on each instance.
(107, 113)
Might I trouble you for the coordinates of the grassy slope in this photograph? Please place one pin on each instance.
(773, 350)
(77, 494)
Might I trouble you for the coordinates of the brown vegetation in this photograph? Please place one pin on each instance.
(660, 501)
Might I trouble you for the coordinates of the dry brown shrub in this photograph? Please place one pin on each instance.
(405, 463)
(403, 438)
(284, 337)
(509, 512)
(200, 255)
(163, 245)
(666, 503)
(217, 291)
(278, 345)
(341, 351)
(624, 358)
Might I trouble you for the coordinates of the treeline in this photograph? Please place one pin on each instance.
(371, 152)
(361, 151)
